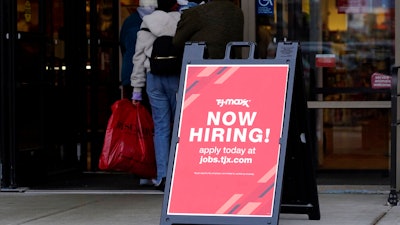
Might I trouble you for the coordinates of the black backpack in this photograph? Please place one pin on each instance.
(165, 58)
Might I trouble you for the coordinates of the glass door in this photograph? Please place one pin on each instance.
(356, 41)
(23, 90)
(39, 94)
(7, 137)
(101, 82)
(59, 77)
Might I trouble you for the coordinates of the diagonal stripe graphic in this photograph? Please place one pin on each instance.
(249, 208)
(192, 86)
(268, 175)
(190, 100)
(229, 203)
(221, 70)
(226, 75)
(207, 71)
(267, 190)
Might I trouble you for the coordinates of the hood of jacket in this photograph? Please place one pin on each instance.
(162, 23)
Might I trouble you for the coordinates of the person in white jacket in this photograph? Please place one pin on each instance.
(161, 90)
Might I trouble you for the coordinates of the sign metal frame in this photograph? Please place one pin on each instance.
(286, 55)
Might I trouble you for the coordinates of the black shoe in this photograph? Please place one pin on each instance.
(161, 185)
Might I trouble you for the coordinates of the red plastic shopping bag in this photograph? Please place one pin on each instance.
(128, 144)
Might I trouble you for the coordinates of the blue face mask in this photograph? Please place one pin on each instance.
(189, 5)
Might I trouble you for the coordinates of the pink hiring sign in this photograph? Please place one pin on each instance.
(381, 81)
(231, 122)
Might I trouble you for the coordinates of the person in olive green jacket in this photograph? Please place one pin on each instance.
(216, 23)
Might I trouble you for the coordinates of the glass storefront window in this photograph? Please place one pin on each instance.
(343, 43)
(360, 36)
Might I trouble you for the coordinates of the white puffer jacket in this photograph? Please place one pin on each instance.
(159, 23)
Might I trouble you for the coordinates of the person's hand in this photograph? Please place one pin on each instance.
(135, 102)
(136, 97)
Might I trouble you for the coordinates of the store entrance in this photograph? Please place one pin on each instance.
(59, 77)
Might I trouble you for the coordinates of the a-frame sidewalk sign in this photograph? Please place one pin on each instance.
(241, 150)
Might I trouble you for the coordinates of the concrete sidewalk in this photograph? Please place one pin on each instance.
(344, 205)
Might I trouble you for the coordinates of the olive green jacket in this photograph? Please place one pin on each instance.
(216, 23)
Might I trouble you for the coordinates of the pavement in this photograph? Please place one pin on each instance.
(339, 204)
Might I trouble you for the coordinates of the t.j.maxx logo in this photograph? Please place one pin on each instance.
(238, 101)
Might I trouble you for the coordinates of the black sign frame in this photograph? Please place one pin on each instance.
(295, 138)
